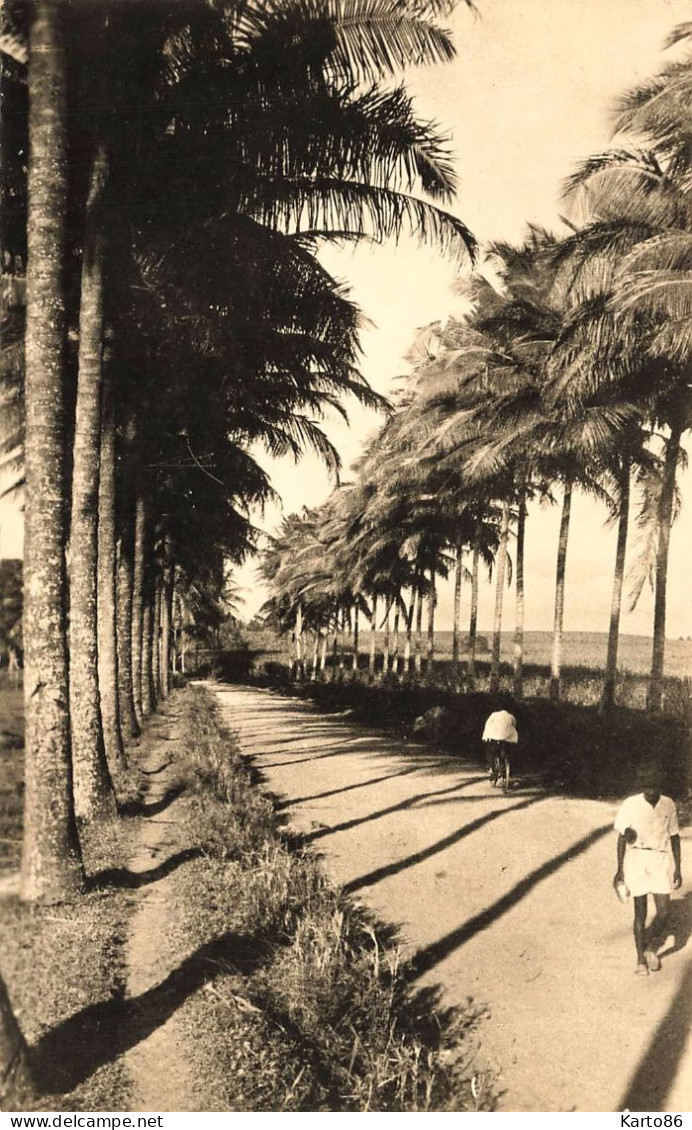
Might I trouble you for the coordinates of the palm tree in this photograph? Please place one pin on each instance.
(638, 207)
(106, 615)
(380, 139)
(51, 864)
(16, 1084)
(93, 795)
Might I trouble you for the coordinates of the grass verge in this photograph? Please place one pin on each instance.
(309, 1007)
(60, 963)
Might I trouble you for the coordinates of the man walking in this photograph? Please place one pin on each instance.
(647, 824)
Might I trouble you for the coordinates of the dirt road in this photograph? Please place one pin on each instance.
(505, 899)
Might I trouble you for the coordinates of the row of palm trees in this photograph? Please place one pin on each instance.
(184, 163)
(169, 173)
(568, 371)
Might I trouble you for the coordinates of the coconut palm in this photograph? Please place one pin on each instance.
(51, 866)
(638, 211)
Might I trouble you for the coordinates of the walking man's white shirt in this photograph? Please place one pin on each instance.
(648, 860)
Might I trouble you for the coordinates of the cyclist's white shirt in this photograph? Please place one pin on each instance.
(501, 727)
(654, 824)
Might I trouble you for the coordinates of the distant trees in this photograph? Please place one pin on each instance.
(568, 371)
(11, 604)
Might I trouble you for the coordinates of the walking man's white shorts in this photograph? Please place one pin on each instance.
(647, 872)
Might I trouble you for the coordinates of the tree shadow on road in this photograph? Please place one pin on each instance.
(679, 924)
(408, 802)
(154, 807)
(656, 1071)
(399, 865)
(347, 788)
(428, 957)
(340, 752)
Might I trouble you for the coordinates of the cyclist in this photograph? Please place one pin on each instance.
(499, 733)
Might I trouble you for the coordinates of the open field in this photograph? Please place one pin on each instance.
(265, 653)
(580, 649)
(588, 649)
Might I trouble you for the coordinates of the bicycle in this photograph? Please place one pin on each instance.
(500, 767)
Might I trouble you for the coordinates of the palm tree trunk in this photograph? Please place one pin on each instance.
(356, 626)
(458, 571)
(373, 638)
(560, 594)
(128, 718)
(166, 626)
(665, 521)
(315, 657)
(148, 695)
(499, 597)
(418, 649)
(409, 634)
(323, 653)
(156, 638)
(138, 600)
(519, 610)
(395, 640)
(473, 621)
(608, 696)
(92, 788)
(51, 868)
(335, 647)
(432, 599)
(298, 632)
(16, 1085)
(341, 621)
(387, 642)
(106, 589)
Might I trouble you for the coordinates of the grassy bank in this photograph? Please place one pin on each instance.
(64, 969)
(11, 773)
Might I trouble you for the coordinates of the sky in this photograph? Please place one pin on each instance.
(529, 95)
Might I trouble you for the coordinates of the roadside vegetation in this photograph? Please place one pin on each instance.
(565, 371)
(299, 1000)
(572, 746)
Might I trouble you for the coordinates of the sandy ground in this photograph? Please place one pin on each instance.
(506, 899)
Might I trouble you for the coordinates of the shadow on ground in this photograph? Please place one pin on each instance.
(71, 1052)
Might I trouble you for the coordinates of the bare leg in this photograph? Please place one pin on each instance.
(658, 930)
(640, 907)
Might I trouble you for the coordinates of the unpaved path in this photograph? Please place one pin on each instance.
(157, 1065)
(505, 899)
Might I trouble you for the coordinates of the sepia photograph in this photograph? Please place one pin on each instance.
(345, 542)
